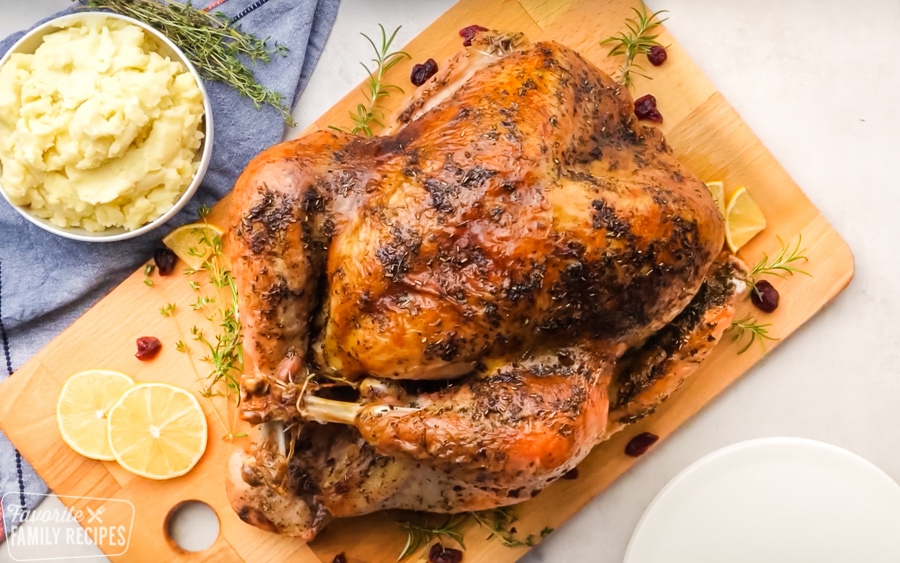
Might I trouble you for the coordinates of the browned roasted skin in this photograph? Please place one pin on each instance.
(277, 253)
(531, 203)
(516, 422)
(491, 224)
(671, 355)
(337, 472)
(518, 238)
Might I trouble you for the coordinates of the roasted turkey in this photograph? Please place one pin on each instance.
(449, 316)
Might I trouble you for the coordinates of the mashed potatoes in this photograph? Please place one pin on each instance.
(97, 129)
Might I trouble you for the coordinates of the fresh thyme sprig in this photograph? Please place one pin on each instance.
(370, 112)
(227, 353)
(211, 42)
(780, 265)
(149, 268)
(500, 522)
(423, 533)
(224, 351)
(749, 325)
(638, 40)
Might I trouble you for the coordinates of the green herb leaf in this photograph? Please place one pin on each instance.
(423, 532)
(638, 40)
(500, 522)
(749, 326)
(780, 265)
(370, 112)
(224, 351)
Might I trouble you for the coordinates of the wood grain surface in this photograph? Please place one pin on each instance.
(704, 131)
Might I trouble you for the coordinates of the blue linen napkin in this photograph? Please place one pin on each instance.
(46, 281)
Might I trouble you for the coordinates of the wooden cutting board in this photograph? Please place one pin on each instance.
(705, 132)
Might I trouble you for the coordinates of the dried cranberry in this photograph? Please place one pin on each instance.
(422, 72)
(571, 474)
(645, 108)
(339, 558)
(147, 348)
(657, 55)
(165, 261)
(764, 296)
(639, 445)
(440, 554)
(468, 33)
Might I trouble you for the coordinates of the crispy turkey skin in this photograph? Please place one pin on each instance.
(495, 286)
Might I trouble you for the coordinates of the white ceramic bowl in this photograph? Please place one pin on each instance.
(29, 44)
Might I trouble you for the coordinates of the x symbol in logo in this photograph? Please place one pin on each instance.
(95, 515)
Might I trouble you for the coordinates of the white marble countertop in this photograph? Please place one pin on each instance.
(819, 83)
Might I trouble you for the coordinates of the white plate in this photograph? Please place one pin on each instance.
(773, 500)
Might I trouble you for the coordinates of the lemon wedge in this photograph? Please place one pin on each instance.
(717, 189)
(157, 431)
(83, 407)
(194, 243)
(743, 219)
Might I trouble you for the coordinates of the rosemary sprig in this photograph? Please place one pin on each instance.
(638, 40)
(370, 112)
(422, 534)
(780, 265)
(211, 42)
(498, 520)
(749, 325)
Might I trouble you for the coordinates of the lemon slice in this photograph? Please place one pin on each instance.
(82, 409)
(717, 189)
(743, 219)
(193, 243)
(157, 431)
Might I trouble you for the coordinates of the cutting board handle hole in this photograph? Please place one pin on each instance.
(191, 525)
